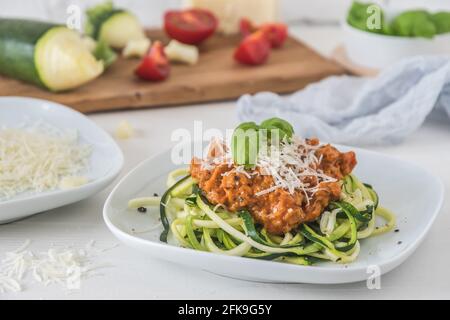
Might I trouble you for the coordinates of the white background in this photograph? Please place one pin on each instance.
(133, 276)
(150, 11)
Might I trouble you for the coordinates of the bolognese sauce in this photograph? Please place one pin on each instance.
(277, 209)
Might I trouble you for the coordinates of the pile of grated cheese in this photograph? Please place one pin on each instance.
(290, 165)
(64, 266)
(38, 158)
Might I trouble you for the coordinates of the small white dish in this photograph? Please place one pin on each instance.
(377, 51)
(411, 192)
(106, 160)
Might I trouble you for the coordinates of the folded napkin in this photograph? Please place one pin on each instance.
(357, 111)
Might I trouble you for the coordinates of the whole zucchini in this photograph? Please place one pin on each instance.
(48, 55)
(114, 26)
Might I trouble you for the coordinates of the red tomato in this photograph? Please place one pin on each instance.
(246, 27)
(276, 33)
(253, 50)
(155, 65)
(190, 26)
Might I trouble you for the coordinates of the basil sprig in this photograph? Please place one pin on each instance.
(248, 138)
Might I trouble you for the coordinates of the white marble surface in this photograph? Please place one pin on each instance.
(424, 275)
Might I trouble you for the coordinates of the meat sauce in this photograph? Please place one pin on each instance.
(279, 211)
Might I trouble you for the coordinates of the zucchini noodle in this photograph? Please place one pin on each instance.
(335, 236)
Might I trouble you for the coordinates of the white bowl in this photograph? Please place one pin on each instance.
(411, 192)
(106, 159)
(377, 51)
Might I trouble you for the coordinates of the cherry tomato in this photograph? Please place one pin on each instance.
(253, 50)
(276, 33)
(191, 26)
(246, 27)
(155, 65)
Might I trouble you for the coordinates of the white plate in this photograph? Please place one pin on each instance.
(411, 192)
(106, 159)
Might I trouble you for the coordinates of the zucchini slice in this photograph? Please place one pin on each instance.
(255, 235)
(165, 199)
(48, 55)
(114, 26)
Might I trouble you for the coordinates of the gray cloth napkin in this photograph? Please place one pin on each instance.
(358, 111)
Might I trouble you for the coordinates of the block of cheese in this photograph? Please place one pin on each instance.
(229, 12)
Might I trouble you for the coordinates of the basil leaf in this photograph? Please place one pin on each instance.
(245, 144)
(285, 129)
(442, 22)
(416, 23)
(360, 14)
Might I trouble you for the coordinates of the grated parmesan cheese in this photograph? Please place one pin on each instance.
(290, 164)
(64, 266)
(238, 169)
(124, 130)
(36, 159)
(218, 154)
(72, 182)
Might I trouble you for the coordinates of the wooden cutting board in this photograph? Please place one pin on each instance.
(215, 77)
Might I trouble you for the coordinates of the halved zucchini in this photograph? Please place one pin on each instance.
(45, 54)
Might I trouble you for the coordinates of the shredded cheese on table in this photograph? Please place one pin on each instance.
(38, 158)
(63, 266)
(124, 130)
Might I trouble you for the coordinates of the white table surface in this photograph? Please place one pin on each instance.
(133, 276)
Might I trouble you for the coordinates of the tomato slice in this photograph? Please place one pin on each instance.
(191, 26)
(253, 50)
(155, 65)
(276, 33)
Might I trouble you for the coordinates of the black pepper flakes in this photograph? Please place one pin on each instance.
(155, 195)
(396, 230)
(142, 210)
(399, 243)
